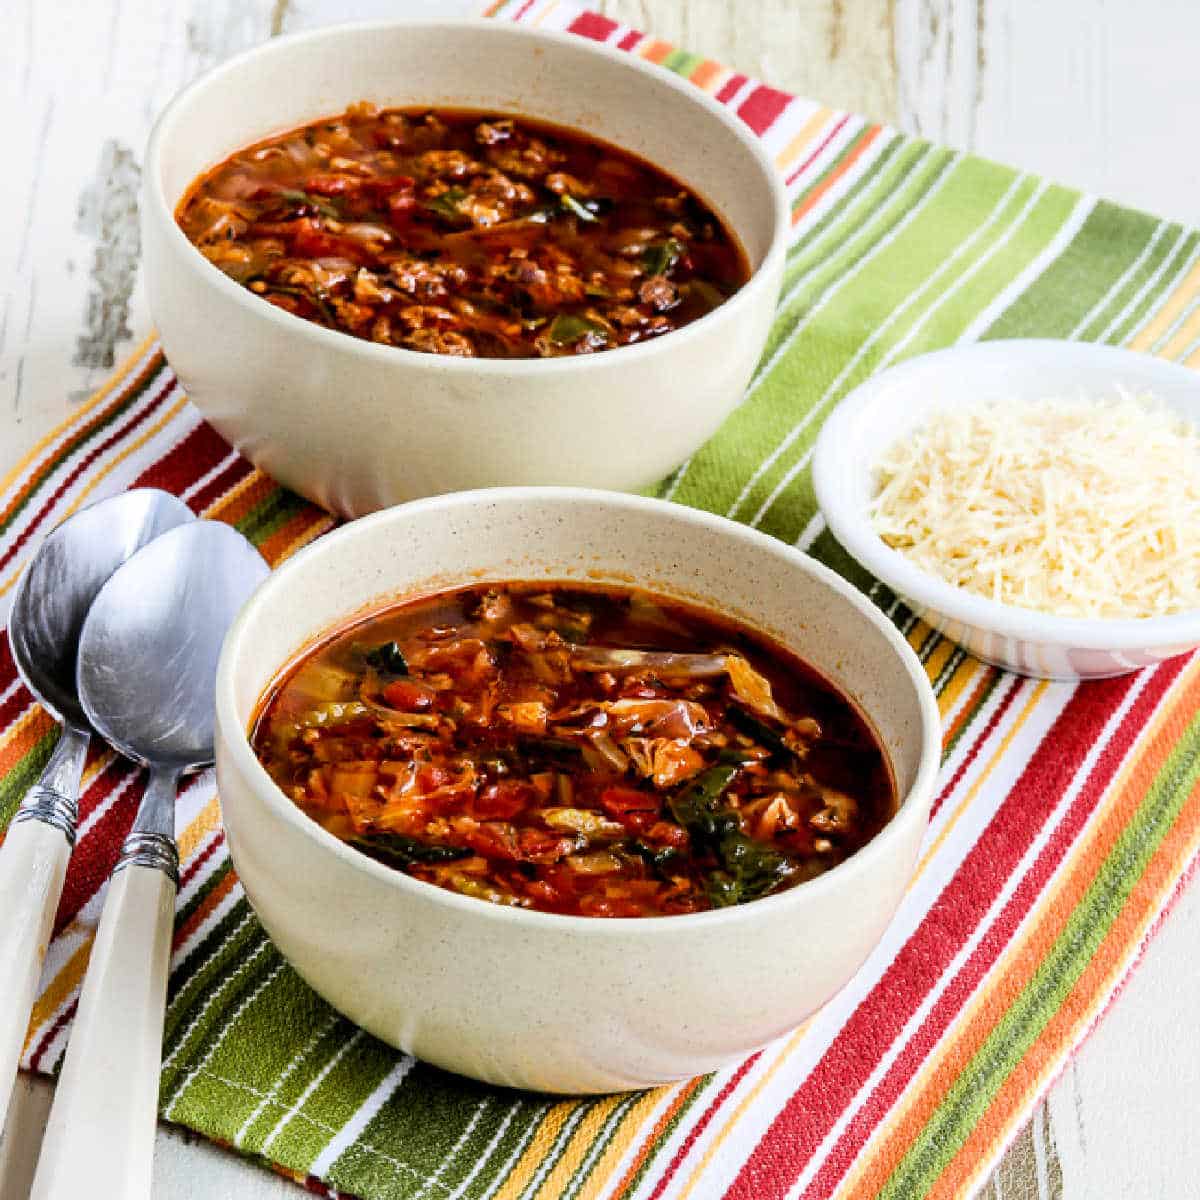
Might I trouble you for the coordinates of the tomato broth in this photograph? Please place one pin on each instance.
(576, 750)
(463, 233)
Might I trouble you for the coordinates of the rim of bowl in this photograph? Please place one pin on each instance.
(267, 792)
(158, 209)
(834, 459)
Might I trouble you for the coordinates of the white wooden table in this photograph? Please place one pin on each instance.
(1094, 93)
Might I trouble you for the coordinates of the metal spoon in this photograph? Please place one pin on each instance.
(48, 609)
(146, 677)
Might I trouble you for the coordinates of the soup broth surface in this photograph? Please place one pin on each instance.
(576, 750)
(463, 233)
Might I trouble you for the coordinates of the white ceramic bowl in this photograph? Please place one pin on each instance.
(357, 426)
(881, 411)
(536, 1000)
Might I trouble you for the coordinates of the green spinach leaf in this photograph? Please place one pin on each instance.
(554, 752)
(448, 204)
(745, 722)
(748, 868)
(386, 658)
(749, 871)
(567, 328)
(698, 807)
(661, 858)
(659, 257)
(326, 208)
(568, 205)
(399, 851)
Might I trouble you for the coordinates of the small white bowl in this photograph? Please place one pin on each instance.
(536, 1000)
(881, 411)
(358, 426)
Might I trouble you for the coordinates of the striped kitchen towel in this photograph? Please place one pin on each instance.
(1067, 817)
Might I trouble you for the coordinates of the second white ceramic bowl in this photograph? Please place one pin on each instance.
(536, 1000)
(881, 411)
(357, 426)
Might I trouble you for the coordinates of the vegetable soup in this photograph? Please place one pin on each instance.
(463, 233)
(577, 750)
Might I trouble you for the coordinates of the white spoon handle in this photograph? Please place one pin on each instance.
(100, 1135)
(33, 864)
(99, 1138)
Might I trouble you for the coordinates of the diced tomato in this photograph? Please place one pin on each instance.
(273, 229)
(390, 185)
(539, 845)
(309, 240)
(667, 833)
(313, 242)
(617, 801)
(544, 893)
(333, 185)
(494, 840)
(605, 906)
(561, 879)
(407, 696)
(432, 777)
(402, 207)
(441, 791)
(636, 810)
(504, 799)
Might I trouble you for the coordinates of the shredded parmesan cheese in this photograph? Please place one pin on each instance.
(1074, 507)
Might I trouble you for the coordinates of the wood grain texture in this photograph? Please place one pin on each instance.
(82, 84)
(1089, 91)
(939, 68)
(840, 51)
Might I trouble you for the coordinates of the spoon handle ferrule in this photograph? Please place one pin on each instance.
(54, 799)
(33, 864)
(155, 850)
(50, 808)
(151, 841)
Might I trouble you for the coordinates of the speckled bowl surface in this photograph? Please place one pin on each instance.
(357, 426)
(536, 1000)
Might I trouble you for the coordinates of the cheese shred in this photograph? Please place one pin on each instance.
(1079, 508)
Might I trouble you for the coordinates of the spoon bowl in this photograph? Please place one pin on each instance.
(148, 650)
(54, 594)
